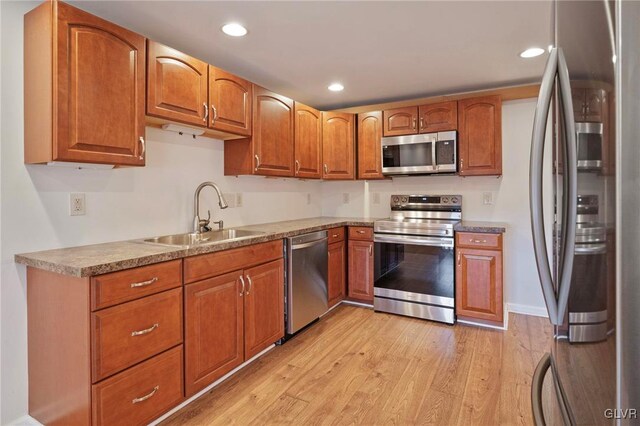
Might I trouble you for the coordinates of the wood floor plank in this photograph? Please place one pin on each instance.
(356, 366)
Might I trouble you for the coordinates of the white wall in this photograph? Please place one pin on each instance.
(121, 204)
(510, 195)
(157, 199)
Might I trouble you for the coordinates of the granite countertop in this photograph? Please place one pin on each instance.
(91, 260)
(481, 227)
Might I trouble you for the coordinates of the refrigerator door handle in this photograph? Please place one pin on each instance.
(535, 185)
(536, 389)
(571, 195)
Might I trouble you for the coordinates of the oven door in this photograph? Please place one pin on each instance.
(589, 144)
(414, 276)
(413, 154)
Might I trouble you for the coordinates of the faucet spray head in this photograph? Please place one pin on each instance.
(223, 203)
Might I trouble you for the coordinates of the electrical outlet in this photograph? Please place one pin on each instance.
(308, 198)
(77, 205)
(345, 198)
(487, 198)
(230, 199)
(238, 200)
(376, 198)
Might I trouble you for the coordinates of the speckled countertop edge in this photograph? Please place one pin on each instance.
(481, 227)
(97, 259)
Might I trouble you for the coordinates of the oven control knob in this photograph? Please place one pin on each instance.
(454, 200)
(445, 200)
(396, 200)
(405, 199)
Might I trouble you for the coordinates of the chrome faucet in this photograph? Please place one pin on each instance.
(202, 225)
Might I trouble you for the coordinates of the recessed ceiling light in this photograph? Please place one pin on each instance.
(336, 87)
(532, 52)
(234, 29)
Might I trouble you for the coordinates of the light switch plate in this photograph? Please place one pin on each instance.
(376, 198)
(487, 198)
(230, 199)
(345, 198)
(308, 198)
(239, 199)
(77, 204)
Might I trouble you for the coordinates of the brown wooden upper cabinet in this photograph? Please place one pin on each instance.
(400, 121)
(338, 145)
(176, 85)
(308, 142)
(439, 117)
(480, 136)
(230, 99)
(87, 105)
(369, 145)
(269, 151)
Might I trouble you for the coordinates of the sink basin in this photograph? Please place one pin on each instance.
(194, 239)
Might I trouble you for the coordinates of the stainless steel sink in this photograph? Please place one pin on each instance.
(193, 239)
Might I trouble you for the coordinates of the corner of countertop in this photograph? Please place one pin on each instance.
(486, 227)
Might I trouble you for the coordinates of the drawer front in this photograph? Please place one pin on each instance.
(132, 332)
(336, 234)
(118, 287)
(479, 240)
(210, 265)
(140, 394)
(360, 233)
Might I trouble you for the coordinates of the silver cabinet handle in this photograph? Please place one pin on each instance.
(145, 331)
(206, 112)
(479, 241)
(147, 396)
(414, 123)
(334, 235)
(370, 249)
(250, 284)
(242, 282)
(144, 283)
(535, 185)
(326, 169)
(257, 162)
(571, 175)
(459, 255)
(421, 123)
(360, 231)
(297, 166)
(215, 114)
(141, 139)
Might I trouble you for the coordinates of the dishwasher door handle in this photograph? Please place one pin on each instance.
(309, 244)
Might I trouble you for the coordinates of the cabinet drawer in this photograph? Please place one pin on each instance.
(126, 334)
(210, 265)
(117, 287)
(479, 240)
(336, 234)
(140, 394)
(360, 233)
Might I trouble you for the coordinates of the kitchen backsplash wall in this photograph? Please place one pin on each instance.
(509, 194)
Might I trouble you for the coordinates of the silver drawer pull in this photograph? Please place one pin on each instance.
(147, 396)
(360, 232)
(335, 235)
(144, 283)
(478, 241)
(145, 331)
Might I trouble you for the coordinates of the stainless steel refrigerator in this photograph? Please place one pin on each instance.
(588, 261)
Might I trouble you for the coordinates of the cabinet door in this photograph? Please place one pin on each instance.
(480, 136)
(308, 142)
(400, 121)
(272, 133)
(438, 117)
(479, 284)
(230, 100)
(361, 270)
(579, 104)
(337, 272)
(176, 85)
(213, 329)
(338, 147)
(594, 100)
(100, 80)
(369, 145)
(263, 307)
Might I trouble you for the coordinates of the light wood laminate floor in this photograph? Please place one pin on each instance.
(356, 366)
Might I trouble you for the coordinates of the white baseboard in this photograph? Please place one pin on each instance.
(536, 311)
(25, 421)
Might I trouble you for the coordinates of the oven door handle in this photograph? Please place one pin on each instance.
(412, 239)
(591, 249)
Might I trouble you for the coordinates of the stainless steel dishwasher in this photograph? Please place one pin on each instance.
(307, 271)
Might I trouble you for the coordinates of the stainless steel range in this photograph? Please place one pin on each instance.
(414, 257)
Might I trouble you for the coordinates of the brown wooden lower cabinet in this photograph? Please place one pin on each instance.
(361, 270)
(232, 317)
(479, 277)
(336, 279)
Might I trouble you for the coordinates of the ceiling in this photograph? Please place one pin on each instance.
(380, 51)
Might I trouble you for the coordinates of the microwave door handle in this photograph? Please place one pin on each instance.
(570, 195)
(535, 185)
(433, 155)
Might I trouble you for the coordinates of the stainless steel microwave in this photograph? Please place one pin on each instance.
(420, 154)
(589, 140)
